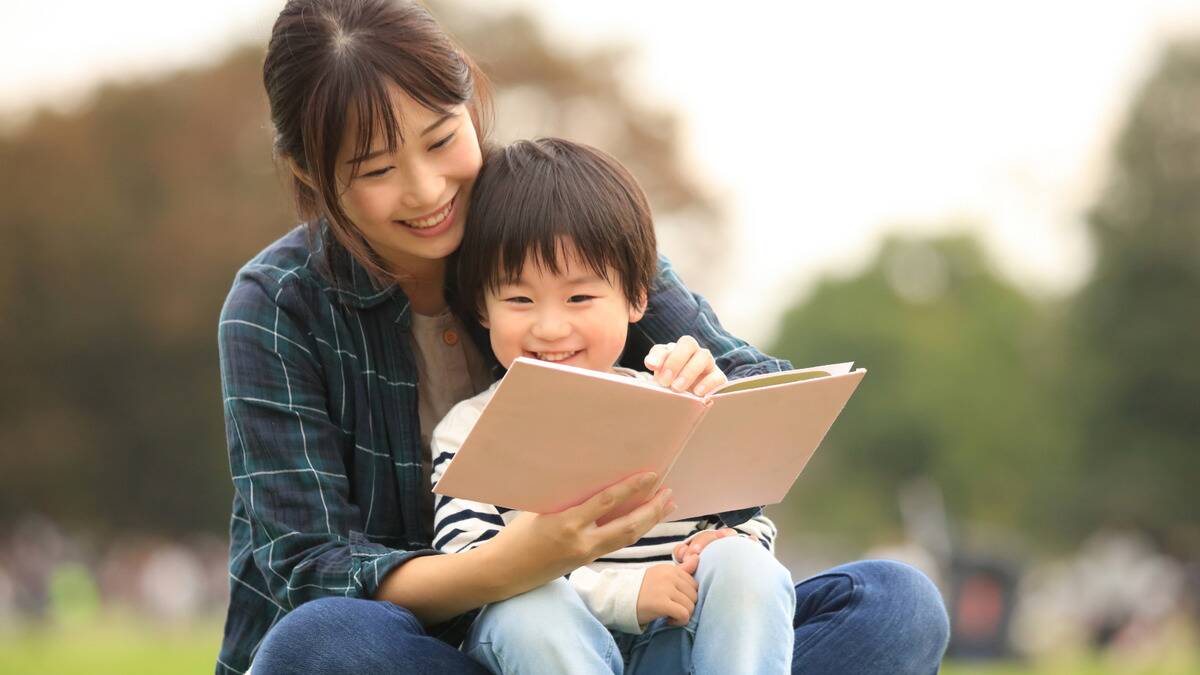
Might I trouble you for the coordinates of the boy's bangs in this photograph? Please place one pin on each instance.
(545, 222)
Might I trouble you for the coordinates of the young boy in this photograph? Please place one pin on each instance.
(557, 260)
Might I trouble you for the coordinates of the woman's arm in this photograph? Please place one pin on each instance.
(530, 551)
(674, 311)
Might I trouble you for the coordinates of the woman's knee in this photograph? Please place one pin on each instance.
(904, 599)
(318, 634)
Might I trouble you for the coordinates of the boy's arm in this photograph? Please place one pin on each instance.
(611, 595)
(459, 524)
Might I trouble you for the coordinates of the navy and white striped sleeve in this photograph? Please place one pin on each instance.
(459, 524)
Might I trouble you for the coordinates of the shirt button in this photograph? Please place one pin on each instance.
(450, 337)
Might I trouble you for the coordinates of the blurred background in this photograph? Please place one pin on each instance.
(995, 209)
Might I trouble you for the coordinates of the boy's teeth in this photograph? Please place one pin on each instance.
(555, 356)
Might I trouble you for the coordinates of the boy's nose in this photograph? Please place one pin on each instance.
(550, 327)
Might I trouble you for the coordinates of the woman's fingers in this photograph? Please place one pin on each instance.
(605, 500)
(624, 531)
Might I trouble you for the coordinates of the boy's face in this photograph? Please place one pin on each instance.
(576, 317)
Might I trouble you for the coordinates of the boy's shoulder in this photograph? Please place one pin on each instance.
(450, 433)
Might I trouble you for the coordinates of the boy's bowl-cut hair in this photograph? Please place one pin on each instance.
(531, 197)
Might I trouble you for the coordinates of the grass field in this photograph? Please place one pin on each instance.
(121, 646)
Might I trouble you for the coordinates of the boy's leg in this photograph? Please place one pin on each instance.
(742, 622)
(547, 630)
(871, 616)
(350, 635)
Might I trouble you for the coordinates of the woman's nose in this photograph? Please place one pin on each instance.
(423, 189)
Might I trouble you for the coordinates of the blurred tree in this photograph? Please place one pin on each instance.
(958, 390)
(125, 221)
(1136, 323)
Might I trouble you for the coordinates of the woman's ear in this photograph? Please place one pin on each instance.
(300, 174)
(636, 312)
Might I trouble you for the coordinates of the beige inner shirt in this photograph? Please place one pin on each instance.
(450, 369)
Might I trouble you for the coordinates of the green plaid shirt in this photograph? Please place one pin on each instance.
(320, 394)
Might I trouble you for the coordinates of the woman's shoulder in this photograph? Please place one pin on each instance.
(293, 258)
(284, 275)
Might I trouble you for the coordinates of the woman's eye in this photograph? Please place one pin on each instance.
(377, 172)
(442, 142)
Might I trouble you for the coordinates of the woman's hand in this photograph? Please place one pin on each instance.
(667, 590)
(685, 366)
(536, 548)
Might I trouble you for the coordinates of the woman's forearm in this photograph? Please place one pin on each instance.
(437, 588)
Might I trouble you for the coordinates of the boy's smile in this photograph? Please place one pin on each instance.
(575, 317)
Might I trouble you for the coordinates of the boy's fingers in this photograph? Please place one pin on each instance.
(657, 354)
(691, 563)
(710, 382)
(677, 554)
(679, 356)
(692, 371)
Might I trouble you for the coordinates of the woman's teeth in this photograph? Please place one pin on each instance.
(555, 356)
(432, 220)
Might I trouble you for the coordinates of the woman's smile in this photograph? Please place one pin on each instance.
(434, 224)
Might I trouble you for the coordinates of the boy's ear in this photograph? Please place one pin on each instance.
(636, 312)
(483, 319)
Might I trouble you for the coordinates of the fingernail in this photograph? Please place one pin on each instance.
(647, 480)
(654, 361)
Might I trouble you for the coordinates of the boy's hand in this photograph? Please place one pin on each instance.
(687, 553)
(684, 366)
(667, 590)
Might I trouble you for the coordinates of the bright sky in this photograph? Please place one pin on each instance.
(824, 125)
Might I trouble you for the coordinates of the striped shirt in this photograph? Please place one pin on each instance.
(610, 585)
(319, 388)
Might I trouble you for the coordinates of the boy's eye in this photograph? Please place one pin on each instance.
(444, 141)
(518, 300)
(581, 298)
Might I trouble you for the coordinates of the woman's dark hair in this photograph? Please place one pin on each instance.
(531, 198)
(328, 57)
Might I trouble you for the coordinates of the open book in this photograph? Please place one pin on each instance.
(554, 435)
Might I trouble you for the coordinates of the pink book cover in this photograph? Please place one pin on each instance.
(554, 435)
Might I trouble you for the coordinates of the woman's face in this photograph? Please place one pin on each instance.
(411, 204)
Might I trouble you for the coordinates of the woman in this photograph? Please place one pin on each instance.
(338, 356)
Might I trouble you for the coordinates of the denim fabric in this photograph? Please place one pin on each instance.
(350, 636)
(741, 624)
(877, 617)
(871, 616)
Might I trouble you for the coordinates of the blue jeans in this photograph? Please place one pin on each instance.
(864, 617)
(742, 623)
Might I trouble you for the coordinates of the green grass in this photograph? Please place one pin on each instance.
(119, 645)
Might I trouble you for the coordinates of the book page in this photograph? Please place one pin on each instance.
(752, 445)
(769, 379)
